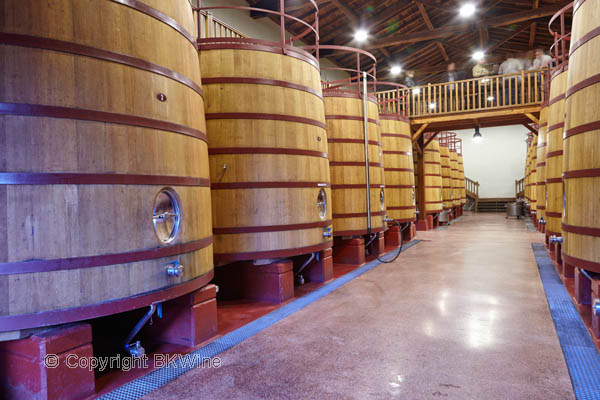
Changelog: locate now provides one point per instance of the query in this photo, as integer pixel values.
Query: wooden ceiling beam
(425, 16)
(343, 7)
(450, 30)
(533, 26)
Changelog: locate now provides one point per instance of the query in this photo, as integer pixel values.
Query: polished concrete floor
(462, 315)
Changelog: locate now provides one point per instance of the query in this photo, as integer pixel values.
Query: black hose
(370, 244)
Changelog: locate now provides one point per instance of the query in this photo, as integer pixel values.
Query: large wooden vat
(455, 178)
(532, 176)
(433, 178)
(398, 167)
(541, 164)
(447, 184)
(345, 135)
(104, 176)
(581, 173)
(269, 165)
(554, 154)
(461, 181)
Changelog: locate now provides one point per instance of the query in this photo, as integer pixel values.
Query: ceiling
(426, 35)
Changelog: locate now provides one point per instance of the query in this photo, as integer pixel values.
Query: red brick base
(24, 375)
(271, 282)
(188, 320)
(349, 251)
(320, 270)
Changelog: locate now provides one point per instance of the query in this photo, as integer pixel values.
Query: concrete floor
(462, 315)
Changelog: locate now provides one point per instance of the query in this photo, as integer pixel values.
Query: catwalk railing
(520, 188)
(472, 189)
(211, 27)
(478, 94)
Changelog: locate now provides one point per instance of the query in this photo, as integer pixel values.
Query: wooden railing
(519, 188)
(485, 93)
(211, 27)
(472, 188)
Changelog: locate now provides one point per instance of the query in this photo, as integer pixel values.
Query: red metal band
(557, 99)
(256, 45)
(400, 135)
(539, 207)
(580, 263)
(358, 141)
(560, 125)
(256, 255)
(557, 71)
(532, 201)
(553, 214)
(54, 317)
(265, 185)
(34, 178)
(399, 169)
(404, 220)
(158, 15)
(541, 183)
(357, 215)
(543, 124)
(433, 162)
(432, 150)
(533, 170)
(402, 153)
(349, 95)
(61, 264)
(582, 173)
(402, 208)
(434, 175)
(554, 180)
(356, 186)
(592, 80)
(541, 164)
(581, 230)
(582, 129)
(359, 231)
(39, 110)
(447, 187)
(270, 228)
(12, 39)
(353, 164)
(433, 187)
(400, 186)
(266, 150)
(273, 117)
(584, 39)
(261, 81)
(444, 156)
(393, 117)
(351, 118)
(554, 154)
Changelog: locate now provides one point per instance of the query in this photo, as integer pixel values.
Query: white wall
(496, 162)
(261, 28)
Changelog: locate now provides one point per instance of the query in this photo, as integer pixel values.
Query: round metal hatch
(322, 203)
(166, 215)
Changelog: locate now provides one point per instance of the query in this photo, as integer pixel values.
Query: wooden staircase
(472, 190)
(494, 204)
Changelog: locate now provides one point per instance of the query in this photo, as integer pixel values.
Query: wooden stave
(433, 178)
(455, 178)
(99, 181)
(541, 163)
(401, 197)
(581, 164)
(351, 200)
(554, 158)
(297, 156)
(447, 183)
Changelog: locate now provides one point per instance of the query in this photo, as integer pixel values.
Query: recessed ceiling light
(431, 106)
(467, 10)
(395, 70)
(491, 98)
(416, 91)
(361, 35)
(478, 55)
